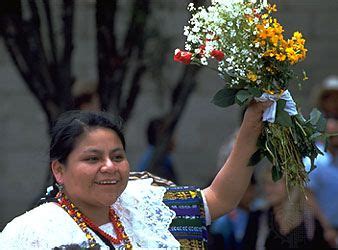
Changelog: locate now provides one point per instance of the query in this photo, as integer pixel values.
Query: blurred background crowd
(117, 56)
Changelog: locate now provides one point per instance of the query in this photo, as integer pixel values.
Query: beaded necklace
(83, 222)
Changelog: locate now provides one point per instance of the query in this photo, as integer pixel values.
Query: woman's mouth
(106, 182)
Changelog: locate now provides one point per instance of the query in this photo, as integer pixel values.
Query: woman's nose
(108, 165)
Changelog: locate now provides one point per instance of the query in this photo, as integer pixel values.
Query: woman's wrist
(247, 138)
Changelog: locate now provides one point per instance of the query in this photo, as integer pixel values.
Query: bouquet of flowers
(244, 43)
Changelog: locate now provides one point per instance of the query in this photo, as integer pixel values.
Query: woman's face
(96, 171)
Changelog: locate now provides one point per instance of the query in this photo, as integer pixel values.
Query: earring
(59, 186)
(49, 190)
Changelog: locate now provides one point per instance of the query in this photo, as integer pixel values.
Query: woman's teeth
(106, 182)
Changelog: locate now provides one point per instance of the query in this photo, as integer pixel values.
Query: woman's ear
(58, 170)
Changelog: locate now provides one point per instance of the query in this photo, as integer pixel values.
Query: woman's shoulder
(39, 228)
(42, 214)
(189, 224)
(163, 213)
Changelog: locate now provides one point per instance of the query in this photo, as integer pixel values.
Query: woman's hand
(251, 127)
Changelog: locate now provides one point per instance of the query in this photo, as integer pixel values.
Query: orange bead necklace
(84, 222)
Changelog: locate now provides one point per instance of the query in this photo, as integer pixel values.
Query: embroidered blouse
(153, 217)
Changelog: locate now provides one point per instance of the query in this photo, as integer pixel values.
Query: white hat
(329, 87)
(330, 83)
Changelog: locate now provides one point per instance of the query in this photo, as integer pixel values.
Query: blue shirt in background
(324, 184)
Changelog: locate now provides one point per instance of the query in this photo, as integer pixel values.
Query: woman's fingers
(255, 111)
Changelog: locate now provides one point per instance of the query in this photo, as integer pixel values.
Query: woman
(95, 204)
(287, 223)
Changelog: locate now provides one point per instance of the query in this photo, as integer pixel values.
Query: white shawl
(145, 217)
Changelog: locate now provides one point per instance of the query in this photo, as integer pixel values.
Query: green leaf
(281, 104)
(276, 173)
(282, 117)
(317, 120)
(243, 96)
(317, 136)
(256, 158)
(313, 166)
(326, 144)
(321, 124)
(255, 91)
(300, 118)
(314, 116)
(318, 151)
(224, 97)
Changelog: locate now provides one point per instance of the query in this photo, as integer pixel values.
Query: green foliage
(229, 96)
(224, 97)
(276, 173)
(282, 117)
(243, 96)
(317, 120)
(256, 92)
(285, 143)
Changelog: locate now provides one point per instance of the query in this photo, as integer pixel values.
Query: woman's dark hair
(69, 127)
(72, 124)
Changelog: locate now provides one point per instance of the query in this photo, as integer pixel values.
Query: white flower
(224, 26)
(226, 2)
(204, 61)
(188, 47)
(195, 29)
(229, 59)
(265, 3)
(186, 30)
(248, 11)
(191, 7)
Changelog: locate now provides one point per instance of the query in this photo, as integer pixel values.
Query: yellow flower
(265, 16)
(274, 39)
(264, 34)
(305, 76)
(290, 51)
(271, 8)
(297, 35)
(252, 76)
(278, 28)
(270, 92)
(280, 57)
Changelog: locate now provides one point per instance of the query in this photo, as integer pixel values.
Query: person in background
(86, 96)
(288, 222)
(166, 169)
(227, 232)
(323, 184)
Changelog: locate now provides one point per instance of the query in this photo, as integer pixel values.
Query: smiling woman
(96, 172)
(93, 204)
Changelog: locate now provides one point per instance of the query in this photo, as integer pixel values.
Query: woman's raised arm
(232, 180)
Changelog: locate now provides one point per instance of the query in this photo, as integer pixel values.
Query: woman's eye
(118, 158)
(92, 159)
